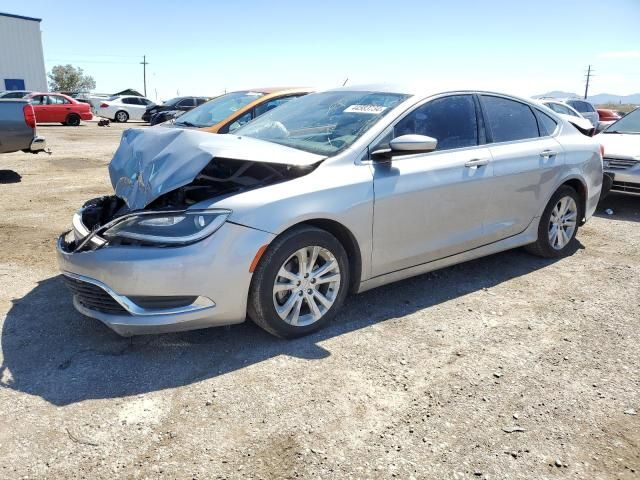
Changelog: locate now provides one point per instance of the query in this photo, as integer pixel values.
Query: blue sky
(205, 47)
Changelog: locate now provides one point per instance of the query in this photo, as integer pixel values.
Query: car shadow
(9, 176)
(620, 207)
(53, 352)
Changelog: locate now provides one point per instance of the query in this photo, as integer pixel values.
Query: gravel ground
(505, 367)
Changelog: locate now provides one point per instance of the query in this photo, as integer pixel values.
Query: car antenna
(345, 81)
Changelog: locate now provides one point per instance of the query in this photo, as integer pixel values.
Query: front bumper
(214, 271)
(625, 173)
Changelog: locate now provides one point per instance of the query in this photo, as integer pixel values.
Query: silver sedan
(335, 192)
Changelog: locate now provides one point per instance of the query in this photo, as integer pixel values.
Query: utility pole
(144, 64)
(586, 87)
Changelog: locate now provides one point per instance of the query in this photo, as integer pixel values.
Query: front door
(432, 205)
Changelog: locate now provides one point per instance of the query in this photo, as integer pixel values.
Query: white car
(122, 108)
(571, 115)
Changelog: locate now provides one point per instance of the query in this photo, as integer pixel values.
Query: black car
(163, 116)
(183, 104)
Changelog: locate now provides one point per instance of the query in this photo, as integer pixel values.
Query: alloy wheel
(306, 286)
(562, 223)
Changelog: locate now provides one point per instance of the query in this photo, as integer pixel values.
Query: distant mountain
(595, 99)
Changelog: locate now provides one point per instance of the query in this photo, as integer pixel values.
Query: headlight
(169, 228)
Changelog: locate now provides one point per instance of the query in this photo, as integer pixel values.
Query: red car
(56, 107)
(607, 115)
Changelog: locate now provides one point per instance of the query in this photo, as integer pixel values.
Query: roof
(21, 17)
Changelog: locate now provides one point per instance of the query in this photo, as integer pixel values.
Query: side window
(547, 124)
(200, 101)
(509, 120)
(55, 100)
(129, 101)
(39, 100)
(187, 102)
(144, 101)
(271, 104)
(450, 120)
(238, 122)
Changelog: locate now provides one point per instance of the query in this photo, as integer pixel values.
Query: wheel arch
(581, 189)
(348, 241)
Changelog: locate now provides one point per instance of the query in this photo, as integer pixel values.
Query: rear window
(582, 107)
(509, 120)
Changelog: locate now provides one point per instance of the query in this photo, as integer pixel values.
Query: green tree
(67, 78)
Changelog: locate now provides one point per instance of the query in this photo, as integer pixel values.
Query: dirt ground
(507, 367)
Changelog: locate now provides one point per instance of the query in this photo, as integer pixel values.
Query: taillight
(103, 105)
(29, 116)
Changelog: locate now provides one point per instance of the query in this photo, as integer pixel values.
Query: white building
(21, 57)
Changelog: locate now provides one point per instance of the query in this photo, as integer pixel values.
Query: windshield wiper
(619, 132)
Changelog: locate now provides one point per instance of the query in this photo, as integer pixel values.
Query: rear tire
(121, 116)
(73, 120)
(300, 283)
(558, 225)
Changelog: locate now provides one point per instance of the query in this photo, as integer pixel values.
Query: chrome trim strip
(200, 303)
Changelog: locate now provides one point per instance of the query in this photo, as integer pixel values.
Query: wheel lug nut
(313, 280)
(306, 275)
(309, 291)
(301, 293)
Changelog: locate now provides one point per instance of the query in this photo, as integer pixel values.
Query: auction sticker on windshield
(371, 109)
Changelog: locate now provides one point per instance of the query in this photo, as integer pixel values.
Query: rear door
(431, 205)
(134, 107)
(526, 162)
(59, 107)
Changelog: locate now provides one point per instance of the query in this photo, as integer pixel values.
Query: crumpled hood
(620, 144)
(154, 161)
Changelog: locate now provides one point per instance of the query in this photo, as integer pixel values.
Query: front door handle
(477, 162)
(548, 153)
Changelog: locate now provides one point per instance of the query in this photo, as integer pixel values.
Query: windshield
(218, 109)
(630, 123)
(322, 123)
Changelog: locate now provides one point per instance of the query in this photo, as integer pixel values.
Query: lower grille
(626, 187)
(93, 297)
(620, 163)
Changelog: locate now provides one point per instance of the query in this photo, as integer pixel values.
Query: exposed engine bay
(219, 178)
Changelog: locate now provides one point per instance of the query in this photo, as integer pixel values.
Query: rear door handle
(548, 153)
(477, 162)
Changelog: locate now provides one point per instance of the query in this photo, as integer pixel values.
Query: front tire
(121, 116)
(300, 283)
(558, 225)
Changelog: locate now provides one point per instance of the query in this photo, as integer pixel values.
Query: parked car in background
(18, 127)
(165, 116)
(570, 114)
(14, 94)
(621, 142)
(122, 108)
(585, 108)
(59, 108)
(183, 104)
(607, 117)
(228, 112)
(335, 192)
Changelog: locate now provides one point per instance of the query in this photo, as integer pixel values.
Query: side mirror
(407, 144)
